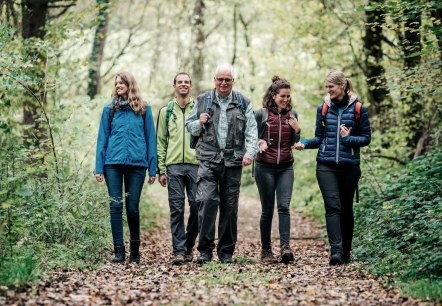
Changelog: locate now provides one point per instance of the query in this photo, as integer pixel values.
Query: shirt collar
(227, 99)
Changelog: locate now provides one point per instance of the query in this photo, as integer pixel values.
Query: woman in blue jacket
(342, 128)
(126, 147)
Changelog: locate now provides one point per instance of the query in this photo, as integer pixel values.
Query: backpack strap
(241, 102)
(169, 112)
(358, 110)
(324, 113)
(262, 116)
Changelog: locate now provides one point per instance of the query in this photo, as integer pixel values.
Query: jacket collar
(352, 99)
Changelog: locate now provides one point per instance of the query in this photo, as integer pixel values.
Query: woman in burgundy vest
(278, 130)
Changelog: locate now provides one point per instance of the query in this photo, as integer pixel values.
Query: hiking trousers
(338, 184)
(182, 178)
(218, 188)
(274, 179)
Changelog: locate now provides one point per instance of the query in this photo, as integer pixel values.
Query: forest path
(308, 281)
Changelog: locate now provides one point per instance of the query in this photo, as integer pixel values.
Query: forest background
(58, 60)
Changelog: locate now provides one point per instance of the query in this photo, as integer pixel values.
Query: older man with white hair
(224, 123)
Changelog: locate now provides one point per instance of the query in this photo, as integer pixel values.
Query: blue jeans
(133, 177)
(272, 179)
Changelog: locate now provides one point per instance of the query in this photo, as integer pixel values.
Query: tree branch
(373, 155)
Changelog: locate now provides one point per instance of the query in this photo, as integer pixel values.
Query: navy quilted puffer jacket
(333, 148)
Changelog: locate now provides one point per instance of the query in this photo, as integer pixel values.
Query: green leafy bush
(399, 228)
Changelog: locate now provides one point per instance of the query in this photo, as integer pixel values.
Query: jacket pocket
(240, 125)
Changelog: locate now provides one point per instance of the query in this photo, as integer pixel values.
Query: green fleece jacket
(174, 149)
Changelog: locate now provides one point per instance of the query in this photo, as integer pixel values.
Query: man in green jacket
(178, 168)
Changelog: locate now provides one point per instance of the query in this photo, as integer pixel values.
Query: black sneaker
(204, 258)
(336, 259)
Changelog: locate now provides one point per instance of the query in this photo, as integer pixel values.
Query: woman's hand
(151, 180)
(299, 146)
(99, 177)
(294, 124)
(344, 131)
(262, 145)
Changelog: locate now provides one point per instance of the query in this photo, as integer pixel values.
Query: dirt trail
(308, 281)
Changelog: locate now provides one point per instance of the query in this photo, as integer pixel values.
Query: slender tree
(96, 57)
(412, 47)
(199, 42)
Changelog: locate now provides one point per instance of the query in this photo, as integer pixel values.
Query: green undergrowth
(52, 221)
(399, 226)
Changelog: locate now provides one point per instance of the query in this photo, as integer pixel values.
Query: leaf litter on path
(308, 281)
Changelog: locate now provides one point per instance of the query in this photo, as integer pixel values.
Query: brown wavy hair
(134, 99)
(277, 84)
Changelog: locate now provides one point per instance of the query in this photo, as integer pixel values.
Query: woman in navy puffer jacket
(126, 147)
(339, 135)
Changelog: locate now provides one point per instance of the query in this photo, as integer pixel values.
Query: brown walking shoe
(188, 257)
(177, 259)
(286, 253)
(267, 256)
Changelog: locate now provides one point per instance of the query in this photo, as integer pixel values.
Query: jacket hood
(352, 97)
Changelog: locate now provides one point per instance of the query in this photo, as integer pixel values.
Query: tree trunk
(34, 13)
(374, 71)
(235, 32)
(199, 42)
(437, 15)
(96, 58)
(412, 47)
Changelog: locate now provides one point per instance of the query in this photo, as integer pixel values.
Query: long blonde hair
(134, 99)
(337, 77)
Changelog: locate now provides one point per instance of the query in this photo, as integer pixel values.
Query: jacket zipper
(184, 130)
(324, 145)
(338, 133)
(337, 138)
(279, 140)
(352, 151)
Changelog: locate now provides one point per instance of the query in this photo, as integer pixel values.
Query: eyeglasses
(227, 80)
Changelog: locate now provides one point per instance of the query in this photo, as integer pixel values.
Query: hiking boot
(134, 251)
(267, 256)
(286, 253)
(188, 256)
(336, 259)
(120, 254)
(178, 259)
(226, 259)
(204, 258)
(346, 258)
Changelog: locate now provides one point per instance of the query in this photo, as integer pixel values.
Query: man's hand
(151, 180)
(247, 160)
(99, 177)
(162, 179)
(204, 117)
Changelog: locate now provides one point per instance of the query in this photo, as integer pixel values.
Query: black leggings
(338, 184)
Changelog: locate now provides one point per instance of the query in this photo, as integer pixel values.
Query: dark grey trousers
(182, 177)
(271, 180)
(218, 187)
(338, 185)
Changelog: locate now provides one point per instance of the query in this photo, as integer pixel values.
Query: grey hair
(225, 67)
